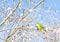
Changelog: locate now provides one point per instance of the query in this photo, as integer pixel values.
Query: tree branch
(11, 13)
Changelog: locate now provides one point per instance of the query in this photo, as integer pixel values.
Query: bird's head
(36, 23)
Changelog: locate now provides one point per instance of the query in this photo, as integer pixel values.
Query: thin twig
(38, 4)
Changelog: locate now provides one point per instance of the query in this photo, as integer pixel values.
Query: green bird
(39, 26)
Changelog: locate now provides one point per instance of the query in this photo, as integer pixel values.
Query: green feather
(40, 26)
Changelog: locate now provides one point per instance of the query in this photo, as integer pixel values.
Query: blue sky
(52, 6)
